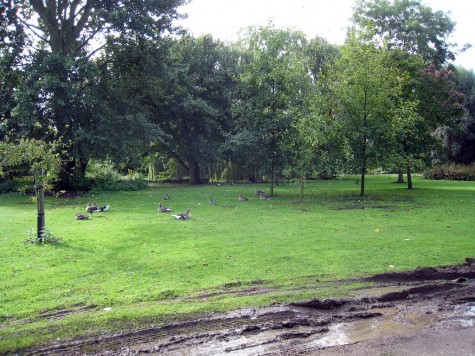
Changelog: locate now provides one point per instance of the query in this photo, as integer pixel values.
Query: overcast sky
(224, 19)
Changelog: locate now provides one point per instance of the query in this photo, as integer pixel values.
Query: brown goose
(242, 199)
(212, 201)
(81, 216)
(183, 216)
(163, 209)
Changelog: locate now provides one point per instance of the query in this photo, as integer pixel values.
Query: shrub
(451, 172)
(7, 186)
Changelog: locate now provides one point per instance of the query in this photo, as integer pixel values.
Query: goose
(259, 192)
(91, 208)
(163, 209)
(265, 197)
(183, 216)
(212, 202)
(81, 216)
(104, 208)
(241, 198)
(167, 197)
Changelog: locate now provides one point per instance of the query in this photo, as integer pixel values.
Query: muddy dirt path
(429, 311)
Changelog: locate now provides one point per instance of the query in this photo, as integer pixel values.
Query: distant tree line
(117, 81)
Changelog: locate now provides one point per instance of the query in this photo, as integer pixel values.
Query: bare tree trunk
(409, 177)
(400, 175)
(40, 194)
(272, 168)
(302, 184)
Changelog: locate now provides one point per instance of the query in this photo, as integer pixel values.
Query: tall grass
(147, 267)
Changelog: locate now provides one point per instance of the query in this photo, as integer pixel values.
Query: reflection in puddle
(391, 323)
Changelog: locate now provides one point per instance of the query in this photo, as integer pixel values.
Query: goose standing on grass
(183, 216)
(241, 198)
(163, 209)
(259, 192)
(82, 216)
(212, 201)
(168, 197)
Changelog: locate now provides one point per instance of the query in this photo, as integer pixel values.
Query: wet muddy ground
(429, 311)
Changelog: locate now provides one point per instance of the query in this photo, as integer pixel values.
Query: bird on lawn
(212, 201)
(163, 209)
(168, 197)
(265, 197)
(241, 198)
(104, 208)
(259, 192)
(91, 208)
(183, 216)
(81, 216)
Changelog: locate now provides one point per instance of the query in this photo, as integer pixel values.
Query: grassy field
(132, 266)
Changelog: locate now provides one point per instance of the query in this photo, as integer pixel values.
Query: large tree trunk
(195, 173)
(409, 177)
(66, 176)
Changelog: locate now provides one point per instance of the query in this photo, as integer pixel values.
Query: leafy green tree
(313, 133)
(43, 163)
(12, 43)
(268, 84)
(181, 87)
(71, 26)
(417, 39)
(57, 95)
(366, 89)
(408, 25)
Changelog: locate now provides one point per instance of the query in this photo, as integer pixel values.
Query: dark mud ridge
(428, 311)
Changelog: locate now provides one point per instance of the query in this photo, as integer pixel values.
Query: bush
(451, 172)
(8, 186)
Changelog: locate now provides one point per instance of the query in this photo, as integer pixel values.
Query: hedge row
(451, 172)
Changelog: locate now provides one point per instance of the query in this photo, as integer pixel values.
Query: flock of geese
(91, 209)
(94, 208)
(187, 215)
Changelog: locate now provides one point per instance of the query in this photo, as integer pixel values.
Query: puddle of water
(393, 322)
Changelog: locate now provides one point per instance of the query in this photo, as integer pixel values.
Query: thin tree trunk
(272, 167)
(409, 177)
(362, 180)
(400, 175)
(40, 194)
(302, 184)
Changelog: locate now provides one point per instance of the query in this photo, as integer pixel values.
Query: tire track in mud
(289, 328)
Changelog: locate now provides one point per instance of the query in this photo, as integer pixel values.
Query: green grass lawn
(145, 267)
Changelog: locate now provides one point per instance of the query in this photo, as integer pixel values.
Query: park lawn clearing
(132, 266)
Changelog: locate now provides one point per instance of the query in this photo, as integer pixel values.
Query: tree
(181, 86)
(269, 84)
(12, 42)
(43, 164)
(73, 26)
(417, 39)
(58, 93)
(407, 25)
(366, 90)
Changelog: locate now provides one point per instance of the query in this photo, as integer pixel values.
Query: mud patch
(393, 321)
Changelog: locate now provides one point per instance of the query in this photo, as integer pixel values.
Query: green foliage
(7, 186)
(103, 176)
(451, 172)
(409, 25)
(46, 237)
